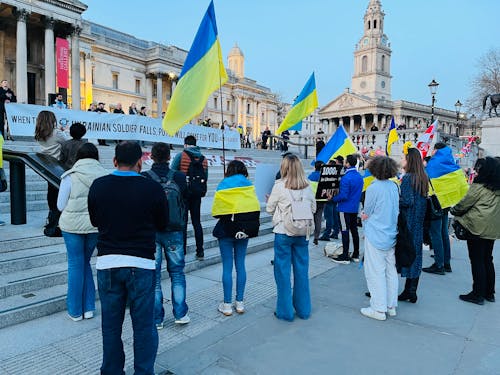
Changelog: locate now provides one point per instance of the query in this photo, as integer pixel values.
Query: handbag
(405, 249)
(433, 210)
(461, 232)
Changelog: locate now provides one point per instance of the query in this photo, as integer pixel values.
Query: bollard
(17, 192)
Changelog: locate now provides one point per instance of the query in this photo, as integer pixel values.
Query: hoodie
(176, 164)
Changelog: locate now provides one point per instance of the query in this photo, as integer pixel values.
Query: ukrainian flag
(393, 137)
(304, 105)
(367, 179)
(448, 179)
(203, 73)
(235, 195)
(339, 144)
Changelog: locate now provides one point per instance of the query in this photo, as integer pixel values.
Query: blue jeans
(172, 245)
(331, 215)
(292, 252)
(117, 286)
(81, 287)
(440, 239)
(231, 250)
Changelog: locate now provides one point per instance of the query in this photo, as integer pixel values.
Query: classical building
(114, 67)
(368, 103)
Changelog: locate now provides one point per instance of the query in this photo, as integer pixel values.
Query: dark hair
(382, 167)
(440, 145)
(352, 160)
(427, 158)
(488, 173)
(236, 167)
(77, 130)
(45, 124)
(87, 151)
(415, 166)
(339, 158)
(190, 140)
(127, 153)
(160, 152)
(317, 165)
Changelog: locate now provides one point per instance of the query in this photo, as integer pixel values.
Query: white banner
(101, 125)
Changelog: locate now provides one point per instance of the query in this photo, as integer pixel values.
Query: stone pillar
(384, 122)
(75, 68)
(159, 94)
(257, 115)
(88, 80)
(244, 113)
(21, 56)
(50, 59)
(236, 111)
(351, 124)
(149, 92)
(375, 120)
(363, 122)
(173, 84)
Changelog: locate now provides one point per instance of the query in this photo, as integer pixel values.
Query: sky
(283, 41)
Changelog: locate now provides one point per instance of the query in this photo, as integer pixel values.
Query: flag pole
(222, 123)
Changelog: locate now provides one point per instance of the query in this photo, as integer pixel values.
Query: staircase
(33, 268)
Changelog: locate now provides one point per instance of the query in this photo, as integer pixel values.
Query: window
(374, 24)
(248, 108)
(137, 86)
(369, 25)
(364, 64)
(115, 81)
(93, 75)
(215, 102)
(228, 105)
(383, 63)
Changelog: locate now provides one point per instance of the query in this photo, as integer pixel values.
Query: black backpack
(176, 207)
(196, 176)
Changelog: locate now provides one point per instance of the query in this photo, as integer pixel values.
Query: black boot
(405, 295)
(410, 292)
(52, 227)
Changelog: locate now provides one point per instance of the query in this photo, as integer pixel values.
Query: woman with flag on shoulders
(237, 208)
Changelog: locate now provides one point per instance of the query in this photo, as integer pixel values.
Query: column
(375, 120)
(50, 62)
(159, 94)
(351, 124)
(75, 68)
(244, 112)
(173, 84)
(363, 122)
(149, 92)
(236, 111)
(257, 115)
(88, 80)
(384, 122)
(21, 56)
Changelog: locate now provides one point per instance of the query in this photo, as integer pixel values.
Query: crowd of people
(132, 239)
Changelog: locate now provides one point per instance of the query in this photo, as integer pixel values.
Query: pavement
(438, 335)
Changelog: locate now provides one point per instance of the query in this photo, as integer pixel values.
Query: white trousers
(381, 277)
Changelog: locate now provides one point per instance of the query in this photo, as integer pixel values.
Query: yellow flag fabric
(235, 201)
(450, 188)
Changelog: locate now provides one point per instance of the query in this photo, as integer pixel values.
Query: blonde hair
(292, 173)
(45, 124)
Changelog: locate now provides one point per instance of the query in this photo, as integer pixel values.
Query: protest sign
(329, 181)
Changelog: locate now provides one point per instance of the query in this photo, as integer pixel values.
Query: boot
(52, 229)
(405, 295)
(410, 292)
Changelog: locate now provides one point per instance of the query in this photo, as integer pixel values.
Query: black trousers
(481, 263)
(194, 206)
(349, 223)
(52, 193)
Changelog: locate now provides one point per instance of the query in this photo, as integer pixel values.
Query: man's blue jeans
(117, 286)
(231, 250)
(172, 245)
(292, 252)
(81, 287)
(440, 239)
(331, 215)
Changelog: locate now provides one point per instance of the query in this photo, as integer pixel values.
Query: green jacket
(479, 212)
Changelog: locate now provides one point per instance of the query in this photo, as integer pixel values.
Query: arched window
(382, 65)
(364, 64)
(374, 24)
(369, 25)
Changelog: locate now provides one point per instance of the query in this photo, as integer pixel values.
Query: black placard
(329, 181)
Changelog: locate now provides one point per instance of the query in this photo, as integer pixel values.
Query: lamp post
(433, 88)
(473, 124)
(458, 105)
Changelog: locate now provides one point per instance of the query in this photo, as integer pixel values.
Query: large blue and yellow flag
(203, 73)
(235, 195)
(392, 137)
(448, 179)
(339, 144)
(304, 105)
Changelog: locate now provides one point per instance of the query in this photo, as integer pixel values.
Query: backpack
(298, 218)
(176, 207)
(196, 176)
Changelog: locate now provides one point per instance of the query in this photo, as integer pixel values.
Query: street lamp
(458, 105)
(473, 124)
(433, 87)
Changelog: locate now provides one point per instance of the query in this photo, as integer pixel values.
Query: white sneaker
(159, 326)
(226, 309)
(391, 311)
(370, 313)
(77, 319)
(240, 307)
(88, 315)
(184, 320)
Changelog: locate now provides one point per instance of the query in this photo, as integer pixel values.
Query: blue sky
(284, 40)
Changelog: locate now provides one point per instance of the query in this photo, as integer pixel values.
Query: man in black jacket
(6, 96)
(127, 210)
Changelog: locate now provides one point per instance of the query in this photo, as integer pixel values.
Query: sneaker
(77, 319)
(200, 256)
(184, 320)
(226, 309)
(2, 223)
(334, 237)
(240, 307)
(391, 311)
(370, 313)
(341, 259)
(324, 238)
(434, 269)
(88, 315)
(315, 241)
(490, 298)
(472, 298)
(447, 268)
(159, 326)
(355, 259)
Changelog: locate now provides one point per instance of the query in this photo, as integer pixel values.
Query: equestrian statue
(494, 100)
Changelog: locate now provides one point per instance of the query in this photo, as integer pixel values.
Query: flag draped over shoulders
(235, 195)
(203, 73)
(339, 144)
(447, 178)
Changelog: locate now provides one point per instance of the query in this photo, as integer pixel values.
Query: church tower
(236, 61)
(372, 57)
